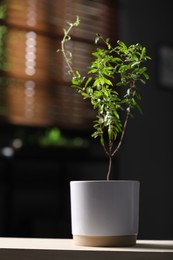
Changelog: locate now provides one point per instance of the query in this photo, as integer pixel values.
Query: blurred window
(34, 84)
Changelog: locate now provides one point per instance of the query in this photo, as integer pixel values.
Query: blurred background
(45, 127)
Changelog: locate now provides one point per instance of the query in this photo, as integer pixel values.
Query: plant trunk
(109, 168)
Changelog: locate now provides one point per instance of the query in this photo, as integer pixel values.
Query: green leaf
(85, 95)
(88, 81)
(108, 82)
(143, 52)
(146, 75)
(97, 38)
(143, 81)
(122, 44)
(135, 63)
(92, 71)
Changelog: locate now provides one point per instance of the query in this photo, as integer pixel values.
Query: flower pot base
(105, 241)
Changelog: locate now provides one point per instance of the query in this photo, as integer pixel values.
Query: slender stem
(110, 159)
(122, 134)
(110, 167)
(132, 84)
(66, 38)
(104, 147)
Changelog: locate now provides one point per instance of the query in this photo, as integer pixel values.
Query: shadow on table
(155, 245)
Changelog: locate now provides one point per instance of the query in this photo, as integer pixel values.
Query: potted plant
(105, 213)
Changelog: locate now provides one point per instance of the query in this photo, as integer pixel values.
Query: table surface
(50, 249)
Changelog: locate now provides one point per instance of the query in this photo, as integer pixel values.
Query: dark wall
(147, 151)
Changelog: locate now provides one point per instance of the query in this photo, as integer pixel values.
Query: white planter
(104, 213)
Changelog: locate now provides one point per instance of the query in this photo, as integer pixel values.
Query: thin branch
(66, 36)
(132, 84)
(104, 147)
(122, 133)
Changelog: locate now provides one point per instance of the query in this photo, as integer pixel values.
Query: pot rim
(105, 181)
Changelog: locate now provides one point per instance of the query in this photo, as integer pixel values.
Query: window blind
(34, 83)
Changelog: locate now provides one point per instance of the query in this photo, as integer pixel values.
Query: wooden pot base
(105, 241)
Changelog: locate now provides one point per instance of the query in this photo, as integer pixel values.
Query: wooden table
(63, 249)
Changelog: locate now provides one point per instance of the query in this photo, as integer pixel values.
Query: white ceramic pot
(104, 213)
